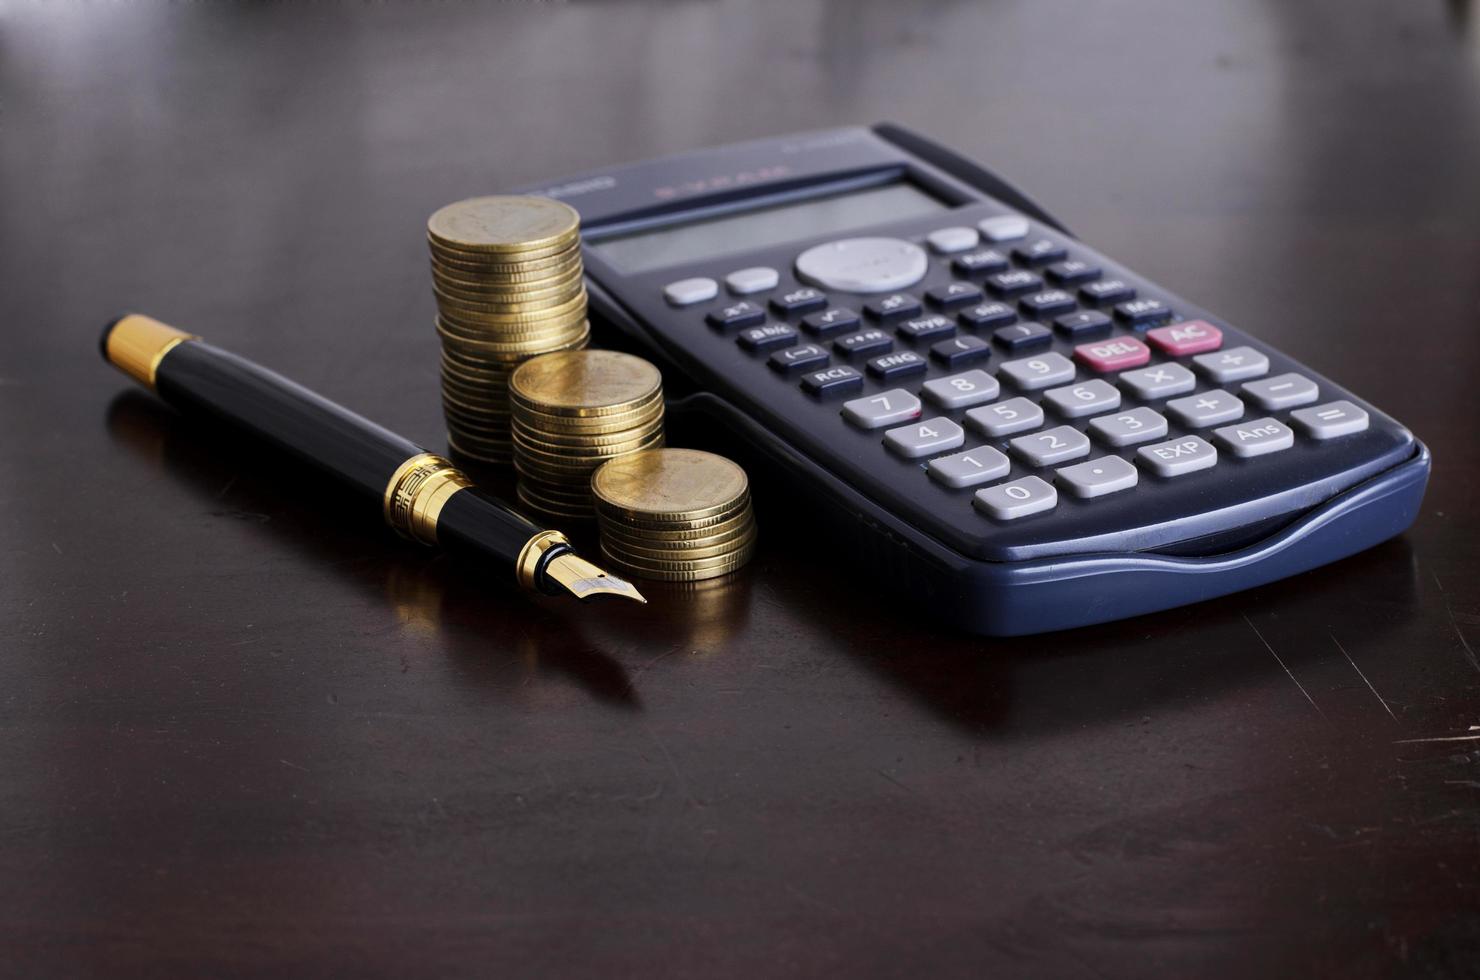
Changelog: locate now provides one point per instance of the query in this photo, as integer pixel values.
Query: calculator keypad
(1074, 343)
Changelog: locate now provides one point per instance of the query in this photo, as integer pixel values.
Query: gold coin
(464, 263)
(585, 383)
(644, 413)
(557, 491)
(580, 455)
(554, 442)
(482, 455)
(561, 338)
(670, 485)
(638, 538)
(735, 524)
(473, 327)
(485, 315)
(707, 525)
(560, 298)
(504, 223)
(478, 286)
(568, 469)
(720, 566)
(641, 554)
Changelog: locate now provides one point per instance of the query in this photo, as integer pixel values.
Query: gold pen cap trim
(417, 492)
(137, 343)
(528, 566)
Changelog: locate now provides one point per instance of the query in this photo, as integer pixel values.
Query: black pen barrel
(420, 495)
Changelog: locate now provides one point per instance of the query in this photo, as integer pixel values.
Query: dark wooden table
(242, 735)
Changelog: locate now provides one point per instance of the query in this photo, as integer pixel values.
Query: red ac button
(1188, 337)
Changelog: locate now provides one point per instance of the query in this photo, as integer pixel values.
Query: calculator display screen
(725, 235)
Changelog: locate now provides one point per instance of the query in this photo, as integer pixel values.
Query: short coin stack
(573, 411)
(507, 275)
(677, 515)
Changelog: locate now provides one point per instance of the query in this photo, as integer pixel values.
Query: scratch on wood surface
(291, 765)
(1469, 651)
(895, 781)
(1286, 669)
(1442, 738)
(1363, 676)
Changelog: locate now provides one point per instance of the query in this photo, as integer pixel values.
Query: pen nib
(584, 580)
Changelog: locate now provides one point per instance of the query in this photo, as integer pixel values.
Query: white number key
(1032, 373)
(886, 408)
(962, 390)
(1005, 418)
(923, 438)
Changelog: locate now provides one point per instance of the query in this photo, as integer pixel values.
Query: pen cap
(135, 344)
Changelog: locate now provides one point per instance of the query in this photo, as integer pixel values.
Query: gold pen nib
(584, 580)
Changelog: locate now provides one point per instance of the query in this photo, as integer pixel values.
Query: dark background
(242, 734)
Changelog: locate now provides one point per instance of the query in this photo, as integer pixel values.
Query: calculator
(994, 421)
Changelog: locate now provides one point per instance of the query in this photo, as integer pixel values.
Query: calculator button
(799, 358)
(837, 380)
(1097, 477)
(687, 292)
(752, 280)
(1083, 324)
(1159, 381)
(1340, 418)
(953, 295)
(1142, 312)
(1233, 364)
(1282, 391)
(1188, 337)
(863, 265)
(933, 327)
(1107, 291)
(1046, 303)
(982, 262)
(1129, 428)
(984, 316)
(766, 337)
(923, 438)
(1256, 437)
(1003, 228)
(833, 320)
(902, 364)
(962, 390)
(1185, 454)
(741, 314)
(1039, 252)
(1051, 446)
(1021, 336)
(1086, 398)
(1005, 418)
(895, 306)
(1072, 272)
(863, 342)
(969, 468)
(1032, 373)
(950, 240)
(1020, 498)
(1206, 408)
(886, 408)
(1014, 282)
(803, 300)
(1115, 354)
(958, 351)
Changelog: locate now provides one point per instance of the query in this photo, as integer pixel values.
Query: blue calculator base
(1041, 596)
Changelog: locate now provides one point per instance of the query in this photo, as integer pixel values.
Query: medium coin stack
(507, 275)
(676, 515)
(573, 411)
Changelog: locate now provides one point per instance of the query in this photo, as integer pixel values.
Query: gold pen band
(136, 344)
(417, 492)
(528, 565)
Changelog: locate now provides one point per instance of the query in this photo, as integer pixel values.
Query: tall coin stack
(573, 411)
(676, 515)
(507, 275)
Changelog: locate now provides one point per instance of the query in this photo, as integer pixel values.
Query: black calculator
(988, 415)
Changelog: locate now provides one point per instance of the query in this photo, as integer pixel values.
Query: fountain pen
(421, 495)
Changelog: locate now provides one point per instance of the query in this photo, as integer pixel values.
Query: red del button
(1191, 337)
(1113, 355)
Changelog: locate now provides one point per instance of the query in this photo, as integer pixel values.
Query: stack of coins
(573, 411)
(507, 275)
(676, 515)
